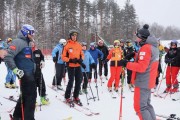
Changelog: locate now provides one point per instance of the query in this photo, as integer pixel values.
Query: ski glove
(168, 60)
(75, 60)
(123, 62)
(42, 64)
(54, 59)
(19, 73)
(93, 65)
(129, 56)
(83, 65)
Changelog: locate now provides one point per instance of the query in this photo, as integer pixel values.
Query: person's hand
(3, 53)
(54, 59)
(123, 62)
(19, 73)
(93, 65)
(75, 60)
(42, 64)
(83, 65)
(168, 60)
(129, 56)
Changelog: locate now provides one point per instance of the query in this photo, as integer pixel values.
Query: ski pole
(95, 75)
(55, 78)
(121, 98)
(21, 96)
(86, 92)
(161, 79)
(90, 87)
(40, 91)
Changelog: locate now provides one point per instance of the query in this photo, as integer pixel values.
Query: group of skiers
(142, 61)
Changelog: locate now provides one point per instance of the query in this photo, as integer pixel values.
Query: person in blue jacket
(88, 60)
(96, 54)
(59, 63)
(20, 60)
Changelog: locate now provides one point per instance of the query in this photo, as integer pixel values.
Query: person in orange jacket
(73, 55)
(144, 73)
(115, 55)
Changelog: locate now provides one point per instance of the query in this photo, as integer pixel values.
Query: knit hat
(143, 33)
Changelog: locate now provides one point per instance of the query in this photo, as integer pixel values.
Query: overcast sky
(163, 12)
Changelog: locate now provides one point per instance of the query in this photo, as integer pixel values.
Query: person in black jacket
(39, 60)
(130, 52)
(105, 51)
(171, 58)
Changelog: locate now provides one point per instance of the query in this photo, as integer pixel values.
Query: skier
(105, 51)
(130, 52)
(73, 55)
(171, 58)
(144, 70)
(95, 53)
(10, 77)
(20, 60)
(115, 55)
(39, 60)
(88, 61)
(59, 64)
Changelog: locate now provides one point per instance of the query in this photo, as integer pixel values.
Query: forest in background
(53, 19)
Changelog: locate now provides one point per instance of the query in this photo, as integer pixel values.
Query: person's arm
(142, 64)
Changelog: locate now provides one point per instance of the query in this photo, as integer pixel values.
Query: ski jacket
(57, 52)
(96, 53)
(130, 50)
(146, 64)
(72, 50)
(87, 61)
(38, 56)
(115, 55)
(20, 54)
(104, 50)
(172, 55)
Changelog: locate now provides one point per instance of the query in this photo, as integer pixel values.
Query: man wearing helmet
(144, 73)
(20, 60)
(59, 64)
(73, 55)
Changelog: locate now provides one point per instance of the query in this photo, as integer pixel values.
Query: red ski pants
(115, 75)
(171, 76)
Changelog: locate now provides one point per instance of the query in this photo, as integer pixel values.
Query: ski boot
(13, 86)
(77, 101)
(8, 85)
(116, 89)
(69, 102)
(59, 87)
(80, 92)
(110, 89)
(168, 89)
(44, 101)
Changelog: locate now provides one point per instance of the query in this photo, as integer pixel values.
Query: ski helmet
(116, 43)
(27, 29)
(9, 39)
(73, 32)
(92, 44)
(83, 43)
(128, 43)
(62, 42)
(174, 42)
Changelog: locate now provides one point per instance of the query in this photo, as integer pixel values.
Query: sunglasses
(74, 34)
(31, 32)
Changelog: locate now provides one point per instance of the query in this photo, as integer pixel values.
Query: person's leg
(100, 67)
(78, 80)
(71, 74)
(168, 78)
(117, 77)
(112, 77)
(105, 69)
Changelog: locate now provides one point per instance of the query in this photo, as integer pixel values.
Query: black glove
(123, 62)
(54, 59)
(93, 65)
(83, 65)
(129, 56)
(168, 60)
(105, 61)
(80, 61)
(75, 60)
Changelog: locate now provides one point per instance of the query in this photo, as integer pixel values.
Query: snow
(106, 106)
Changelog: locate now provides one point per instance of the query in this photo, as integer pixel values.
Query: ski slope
(106, 106)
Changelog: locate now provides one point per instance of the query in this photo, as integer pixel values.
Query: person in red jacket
(144, 73)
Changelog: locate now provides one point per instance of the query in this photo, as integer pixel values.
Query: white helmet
(62, 41)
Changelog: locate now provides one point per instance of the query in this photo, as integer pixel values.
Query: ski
(11, 117)
(11, 98)
(85, 112)
(175, 99)
(170, 117)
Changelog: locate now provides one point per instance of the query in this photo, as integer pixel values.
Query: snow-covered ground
(106, 106)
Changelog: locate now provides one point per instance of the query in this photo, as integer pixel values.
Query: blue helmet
(27, 29)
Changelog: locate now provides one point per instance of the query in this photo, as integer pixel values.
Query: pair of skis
(170, 117)
(86, 111)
